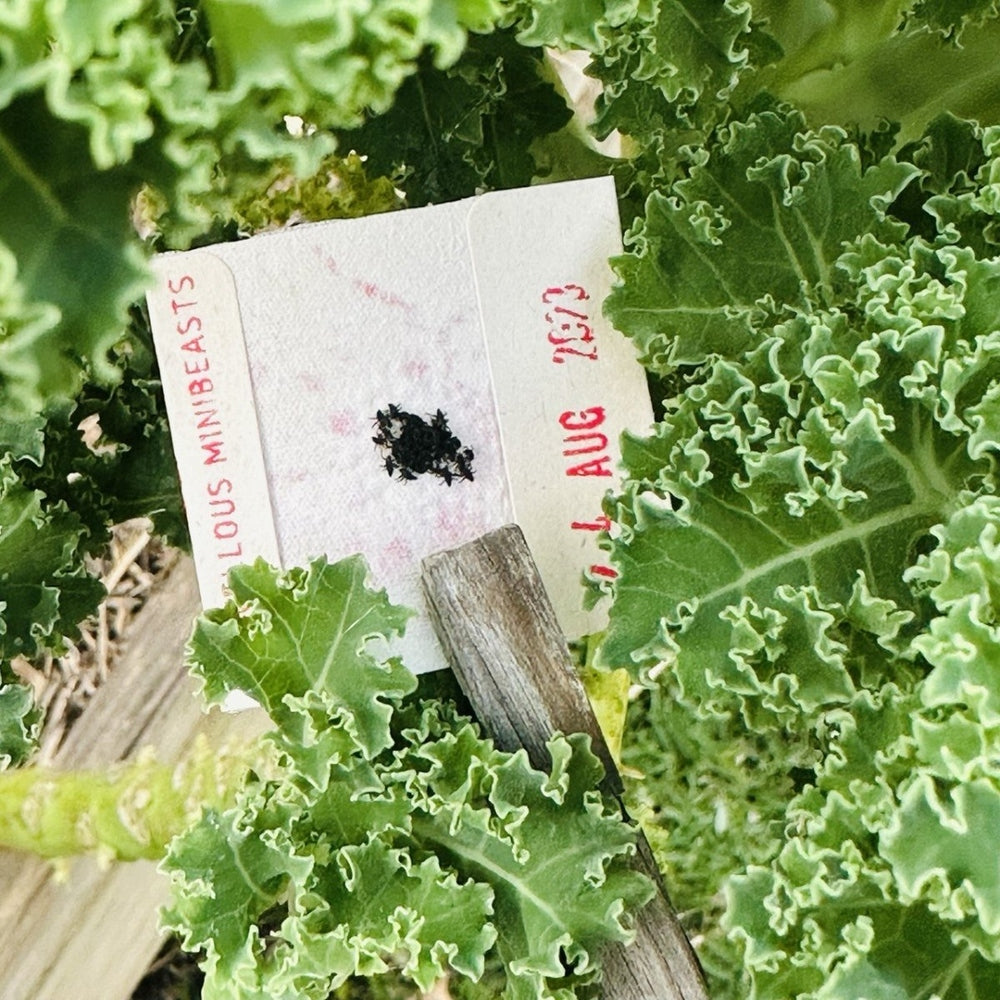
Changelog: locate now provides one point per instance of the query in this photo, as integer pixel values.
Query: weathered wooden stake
(498, 628)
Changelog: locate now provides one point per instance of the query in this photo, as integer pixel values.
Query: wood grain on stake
(510, 657)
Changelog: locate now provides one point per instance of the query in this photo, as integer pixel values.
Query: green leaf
(960, 206)
(935, 847)
(393, 841)
(45, 591)
(891, 952)
(753, 232)
(18, 723)
(807, 554)
(297, 642)
(372, 905)
(131, 472)
(225, 877)
(912, 956)
(851, 62)
(328, 66)
(962, 575)
(23, 440)
(951, 18)
(696, 583)
(550, 907)
(662, 64)
(451, 133)
(68, 227)
(687, 49)
(584, 24)
(123, 468)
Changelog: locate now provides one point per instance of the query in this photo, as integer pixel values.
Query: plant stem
(128, 812)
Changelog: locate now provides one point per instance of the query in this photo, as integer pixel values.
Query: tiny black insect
(412, 446)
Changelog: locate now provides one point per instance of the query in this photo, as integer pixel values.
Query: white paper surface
(566, 384)
(307, 333)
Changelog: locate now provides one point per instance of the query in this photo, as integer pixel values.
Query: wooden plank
(500, 633)
(93, 935)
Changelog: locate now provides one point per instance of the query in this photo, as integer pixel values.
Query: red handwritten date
(582, 437)
(584, 442)
(570, 331)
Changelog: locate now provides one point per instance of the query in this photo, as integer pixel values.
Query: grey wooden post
(500, 633)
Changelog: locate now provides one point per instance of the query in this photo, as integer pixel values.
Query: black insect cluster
(412, 446)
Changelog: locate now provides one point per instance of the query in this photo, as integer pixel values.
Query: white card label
(213, 423)
(566, 384)
(400, 384)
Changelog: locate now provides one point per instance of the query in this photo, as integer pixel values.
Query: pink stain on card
(369, 289)
(416, 369)
(331, 265)
(452, 525)
(311, 382)
(372, 290)
(398, 553)
(342, 423)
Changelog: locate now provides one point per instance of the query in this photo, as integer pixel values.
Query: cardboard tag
(400, 384)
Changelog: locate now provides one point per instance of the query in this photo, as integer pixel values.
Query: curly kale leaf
(471, 127)
(667, 62)
(297, 642)
(672, 71)
(45, 591)
(122, 97)
(69, 263)
(18, 722)
(952, 19)
(750, 236)
(106, 454)
(808, 569)
(395, 841)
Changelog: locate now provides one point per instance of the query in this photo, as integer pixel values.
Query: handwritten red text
(583, 438)
(570, 331)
